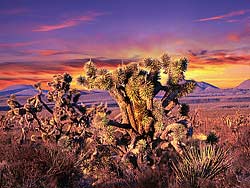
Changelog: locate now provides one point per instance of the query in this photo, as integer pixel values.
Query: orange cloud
(134, 45)
(228, 15)
(32, 72)
(233, 37)
(70, 22)
(50, 52)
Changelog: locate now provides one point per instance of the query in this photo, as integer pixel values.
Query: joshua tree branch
(44, 104)
(169, 97)
(39, 123)
(119, 125)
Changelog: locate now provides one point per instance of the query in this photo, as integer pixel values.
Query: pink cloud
(70, 22)
(16, 44)
(228, 15)
(238, 36)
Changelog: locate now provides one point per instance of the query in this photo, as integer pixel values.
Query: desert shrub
(212, 138)
(153, 178)
(201, 163)
(37, 166)
(239, 174)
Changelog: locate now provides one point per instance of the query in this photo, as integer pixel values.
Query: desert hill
(14, 89)
(205, 87)
(244, 85)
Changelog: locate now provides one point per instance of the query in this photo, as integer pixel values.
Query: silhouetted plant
(212, 138)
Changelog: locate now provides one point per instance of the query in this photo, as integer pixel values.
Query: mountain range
(244, 85)
(202, 87)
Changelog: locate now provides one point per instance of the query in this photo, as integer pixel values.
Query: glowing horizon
(40, 39)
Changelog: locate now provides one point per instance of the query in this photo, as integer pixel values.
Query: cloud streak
(91, 16)
(221, 58)
(17, 44)
(224, 16)
(50, 52)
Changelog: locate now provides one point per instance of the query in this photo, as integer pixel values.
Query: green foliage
(153, 64)
(81, 80)
(104, 82)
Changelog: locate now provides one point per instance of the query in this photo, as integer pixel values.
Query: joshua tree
(134, 87)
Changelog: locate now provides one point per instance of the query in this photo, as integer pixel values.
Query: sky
(45, 37)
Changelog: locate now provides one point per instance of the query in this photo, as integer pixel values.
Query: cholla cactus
(134, 87)
(68, 118)
(24, 114)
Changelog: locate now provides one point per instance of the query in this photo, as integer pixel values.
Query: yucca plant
(201, 163)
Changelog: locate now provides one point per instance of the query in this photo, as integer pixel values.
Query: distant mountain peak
(19, 89)
(18, 86)
(244, 85)
(205, 87)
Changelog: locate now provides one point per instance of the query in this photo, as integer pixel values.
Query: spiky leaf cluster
(203, 162)
(104, 82)
(91, 70)
(174, 69)
(186, 88)
(153, 65)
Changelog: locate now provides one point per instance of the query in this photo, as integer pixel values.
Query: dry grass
(37, 166)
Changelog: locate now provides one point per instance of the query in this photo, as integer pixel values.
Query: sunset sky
(40, 38)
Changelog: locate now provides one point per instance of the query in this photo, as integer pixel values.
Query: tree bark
(132, 117)
(121, 101)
